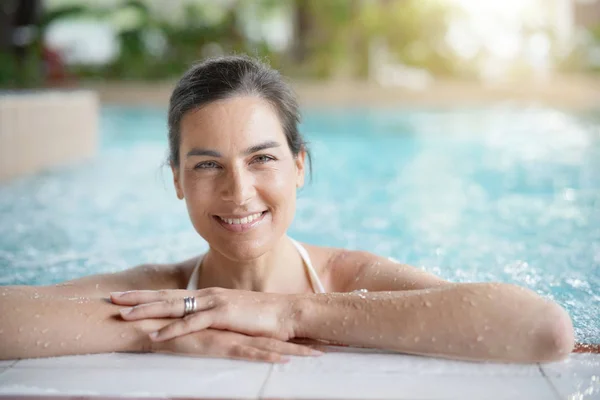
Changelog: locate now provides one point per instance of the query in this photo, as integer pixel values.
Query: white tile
(7, 363)
(146, 361)
(359, 385)
(135, 382)
(352, 360)
(577, 365)
(580, 388)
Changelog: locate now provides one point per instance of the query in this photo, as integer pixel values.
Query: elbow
(556, 337)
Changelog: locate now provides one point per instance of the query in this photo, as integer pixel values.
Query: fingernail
(116, 294)
(316, 353)
(125, 311)
(154, 335)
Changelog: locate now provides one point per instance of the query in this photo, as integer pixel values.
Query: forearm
(36, 325)
(467, 321)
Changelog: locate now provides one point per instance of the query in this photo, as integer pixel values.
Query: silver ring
(189, 305)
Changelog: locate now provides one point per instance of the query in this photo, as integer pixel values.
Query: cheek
(198, 193)
(279, 189)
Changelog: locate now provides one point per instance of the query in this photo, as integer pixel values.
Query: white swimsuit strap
(193, 283)
(314, 278)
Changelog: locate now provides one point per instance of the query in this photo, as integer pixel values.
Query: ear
(300, 170)
(177, 182)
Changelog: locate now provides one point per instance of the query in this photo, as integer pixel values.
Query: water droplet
(479, 338)
(38, 342)
(465, 299)
(327, 323)
(372, 337)
(78, 337)
(21, 329)
(46, 344)
(486, 328)
(380, 336)
(417, 339)
(123, 335)
(428, 303)
(62, 344)
(37, 315)
(489, 296)
(472, 303)
(45, 330)
(507, 347)
(334, 332)
(433, 339)
(97, 286)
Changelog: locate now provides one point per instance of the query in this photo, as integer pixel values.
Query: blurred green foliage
(331, 38)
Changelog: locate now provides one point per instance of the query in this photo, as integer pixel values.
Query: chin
(241, 250)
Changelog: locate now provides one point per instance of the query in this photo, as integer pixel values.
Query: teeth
(244, 220)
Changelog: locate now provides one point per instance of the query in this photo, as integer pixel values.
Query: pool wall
(39, 130)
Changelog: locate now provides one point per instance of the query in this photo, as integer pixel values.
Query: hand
(225, 344)
(251, 313)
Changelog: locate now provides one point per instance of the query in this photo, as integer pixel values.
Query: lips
(241, 223)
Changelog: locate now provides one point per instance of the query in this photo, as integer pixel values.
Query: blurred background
(393, 43)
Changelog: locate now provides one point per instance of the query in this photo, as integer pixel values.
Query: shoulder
(162, 276)
(141, 277)
(336, 266)
(346, 270)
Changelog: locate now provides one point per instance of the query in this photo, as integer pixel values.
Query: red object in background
(55, 71)
(587, 348)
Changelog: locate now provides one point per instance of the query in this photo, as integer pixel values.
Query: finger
(170, 308)
(283, 347)
(134, 297)
(192, 323)
(254, 354)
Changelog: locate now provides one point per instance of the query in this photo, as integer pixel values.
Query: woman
(237, 160)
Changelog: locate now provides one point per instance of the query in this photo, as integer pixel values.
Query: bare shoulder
(141, 277)
(325, 260)
(346, 270)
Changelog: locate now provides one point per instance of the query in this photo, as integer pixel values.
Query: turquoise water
(486, 194)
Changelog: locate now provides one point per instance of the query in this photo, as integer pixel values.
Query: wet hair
(225, 77)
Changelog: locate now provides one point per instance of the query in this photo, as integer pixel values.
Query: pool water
(503, 193)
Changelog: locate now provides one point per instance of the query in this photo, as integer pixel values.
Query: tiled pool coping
(341, 373)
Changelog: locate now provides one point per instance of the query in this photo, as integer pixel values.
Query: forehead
(234, 122)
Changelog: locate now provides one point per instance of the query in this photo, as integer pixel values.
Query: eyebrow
(213, 153)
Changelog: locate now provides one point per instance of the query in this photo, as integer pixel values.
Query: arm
(77, 317)
(411, 311)
(35, 323)
(466, 321)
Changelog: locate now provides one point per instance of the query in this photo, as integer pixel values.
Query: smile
(242, 224)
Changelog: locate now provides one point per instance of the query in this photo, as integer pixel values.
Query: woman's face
(238, 176)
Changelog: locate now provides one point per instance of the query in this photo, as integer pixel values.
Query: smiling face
(238, 176)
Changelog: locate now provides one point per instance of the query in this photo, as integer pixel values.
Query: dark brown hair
(224, 77)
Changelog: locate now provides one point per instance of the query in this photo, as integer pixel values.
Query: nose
(238, 186)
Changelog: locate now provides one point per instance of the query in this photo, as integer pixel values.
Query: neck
(271, 272)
